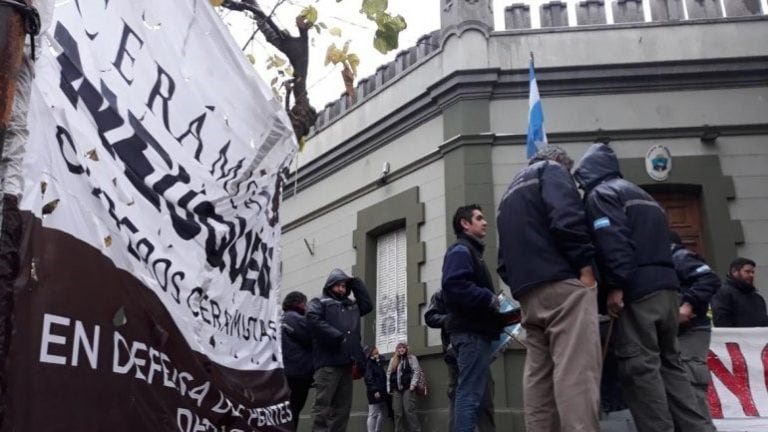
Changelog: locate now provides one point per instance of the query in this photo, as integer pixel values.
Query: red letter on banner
(737, 382)
(765, 364)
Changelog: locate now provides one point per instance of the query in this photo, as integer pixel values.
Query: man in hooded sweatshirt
(545, 256)
(631, 235)
(334, 320)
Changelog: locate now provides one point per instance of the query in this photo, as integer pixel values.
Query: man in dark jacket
(545, 256)
(436, 316)
(473, 305)
(297, 351)
(738, 304)
(334, 320)
(698, 283)
(631, 235)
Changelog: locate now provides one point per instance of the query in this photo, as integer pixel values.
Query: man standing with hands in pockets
(545, 256)
(631, 235)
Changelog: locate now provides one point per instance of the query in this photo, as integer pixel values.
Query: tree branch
(296, 48)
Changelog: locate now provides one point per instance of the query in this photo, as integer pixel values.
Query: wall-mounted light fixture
(384, 173)
(603, 140)
(710, 135)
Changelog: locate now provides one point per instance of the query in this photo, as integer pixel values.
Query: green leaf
(335, 31)
(371, 8)
(386, 37)
(303, 140)
(273, 82)
(275, 61)
(346, 47)
(354, 62)
(251, 58)
(310, 13)
(322, 25)
(334, 55)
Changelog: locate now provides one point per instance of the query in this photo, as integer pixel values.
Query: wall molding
(403, 210)
(496, 84)
(721, 233)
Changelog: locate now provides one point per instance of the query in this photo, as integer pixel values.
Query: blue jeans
(473, 354)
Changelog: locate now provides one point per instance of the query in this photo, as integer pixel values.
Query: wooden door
(684, 216)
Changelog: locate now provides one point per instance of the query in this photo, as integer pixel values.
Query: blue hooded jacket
(698, 283)
(629, 228)
(543, 235)
(335, 322)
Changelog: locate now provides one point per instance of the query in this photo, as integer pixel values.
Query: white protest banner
(738, 392)
(149, 273)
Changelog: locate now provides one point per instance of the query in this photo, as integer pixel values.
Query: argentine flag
(536, 135)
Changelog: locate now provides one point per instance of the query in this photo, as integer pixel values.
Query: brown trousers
(561, 382)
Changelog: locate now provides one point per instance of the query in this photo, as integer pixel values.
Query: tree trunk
(11, 51)
(302, 114)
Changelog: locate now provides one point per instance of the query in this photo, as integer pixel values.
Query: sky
(325, 83)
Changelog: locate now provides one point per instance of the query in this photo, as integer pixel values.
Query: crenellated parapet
(556, 13)
(532, 19)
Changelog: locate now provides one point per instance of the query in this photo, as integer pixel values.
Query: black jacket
(543, 234)
(335, 322)
(738, 304)
(297, 345)
(436, 316)
(468, 290)
(376, 379)
(698, 283)
(629, 228)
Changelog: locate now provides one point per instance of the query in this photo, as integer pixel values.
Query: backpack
(358, 370)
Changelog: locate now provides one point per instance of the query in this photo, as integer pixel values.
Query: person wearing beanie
(297, 351)
(376, 386)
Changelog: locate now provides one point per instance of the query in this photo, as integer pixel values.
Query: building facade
(444, 125)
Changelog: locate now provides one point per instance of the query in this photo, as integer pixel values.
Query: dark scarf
(478, 244)
(742, 286)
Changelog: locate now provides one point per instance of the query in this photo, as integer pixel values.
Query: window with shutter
(391, 310)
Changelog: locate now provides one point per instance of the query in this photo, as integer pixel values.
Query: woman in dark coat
(376, 384)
